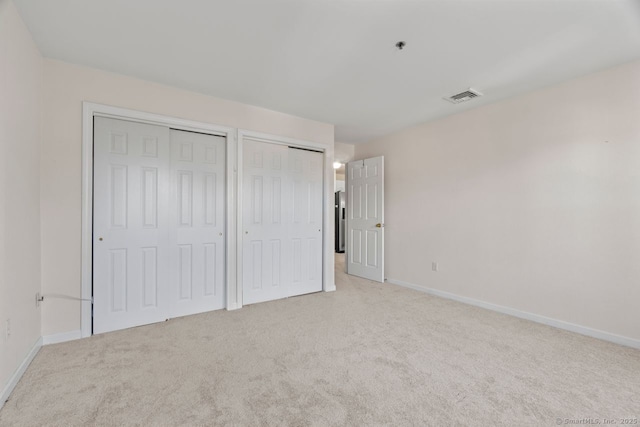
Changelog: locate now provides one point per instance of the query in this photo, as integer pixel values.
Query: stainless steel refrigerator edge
(340, 215)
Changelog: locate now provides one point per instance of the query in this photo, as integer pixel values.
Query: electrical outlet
(8, 329)
(434, 266)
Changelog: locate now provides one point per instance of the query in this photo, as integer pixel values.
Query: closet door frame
(91, 110)
(233, 198)
(328, 282)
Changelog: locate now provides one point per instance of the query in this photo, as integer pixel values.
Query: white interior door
(130, 221)
(365, 218)
(197, 215)
(282, 221)
(158, 221)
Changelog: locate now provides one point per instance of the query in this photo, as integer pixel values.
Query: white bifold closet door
(158, 222)
(282, 221)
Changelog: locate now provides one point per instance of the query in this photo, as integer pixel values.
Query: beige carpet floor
(368, 354)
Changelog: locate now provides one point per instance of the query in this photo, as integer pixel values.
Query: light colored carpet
(368, 354)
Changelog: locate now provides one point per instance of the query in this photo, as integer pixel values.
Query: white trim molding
(15, 378)
(560, 324)
(91, 110)
(232, 237)
(62, 337)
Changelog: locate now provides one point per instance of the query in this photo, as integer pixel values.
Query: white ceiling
(335, 60)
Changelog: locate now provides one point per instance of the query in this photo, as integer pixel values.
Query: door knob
(100, 238)
(378, 225)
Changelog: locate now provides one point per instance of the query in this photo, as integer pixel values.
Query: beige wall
(343, 153)
(20, 90)
(65, 87)
(532, 203)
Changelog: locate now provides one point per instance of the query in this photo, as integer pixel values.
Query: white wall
(531, 203)
(65, 87)
(20, 96)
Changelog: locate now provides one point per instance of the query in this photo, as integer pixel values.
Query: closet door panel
(282, 221)
(130, 219)
(197, 235)
(266, 249)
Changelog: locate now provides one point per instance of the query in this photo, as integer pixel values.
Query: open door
(365, 218)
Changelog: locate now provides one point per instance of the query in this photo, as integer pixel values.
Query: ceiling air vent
(467, 95)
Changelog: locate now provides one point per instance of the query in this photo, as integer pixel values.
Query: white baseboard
(583, 330)
(13, 381)
(62, 337)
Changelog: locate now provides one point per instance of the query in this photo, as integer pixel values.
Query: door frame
(328, 277)
(91, 110)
